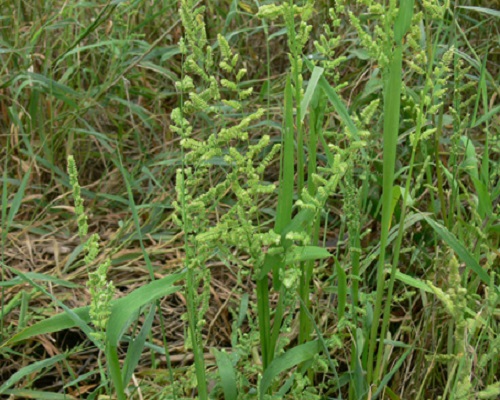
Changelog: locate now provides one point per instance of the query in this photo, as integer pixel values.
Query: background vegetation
(234, 199)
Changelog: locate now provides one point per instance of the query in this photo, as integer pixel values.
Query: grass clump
(283, 200)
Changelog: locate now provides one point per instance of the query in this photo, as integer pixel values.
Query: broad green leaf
(290, 359)
(299, 222)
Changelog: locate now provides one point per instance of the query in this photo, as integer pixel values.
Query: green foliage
(324, 176)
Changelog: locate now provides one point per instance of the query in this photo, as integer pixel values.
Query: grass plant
(249, 200)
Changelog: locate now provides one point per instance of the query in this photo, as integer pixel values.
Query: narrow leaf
(403, 20)
(285, 197)
(290, 359)
(337, 103)
(135, 347)
(227, 375)
(306, 253)
(125, 307)
(341, 289)
(30, 369)
(459, 249)
(413, 282)
(391, 373)
(18, 198)
(482, 10)
(486, 117)
(311, 88)
(135, 300)
(38, 395)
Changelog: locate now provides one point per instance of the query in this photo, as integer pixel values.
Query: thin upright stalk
(392, 98)
(315, 121)
(392, 102)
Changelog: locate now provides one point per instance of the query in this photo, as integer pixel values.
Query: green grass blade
(35, 276)
(341, 290)
(114, 371)
(30, 369)
(321, 340)
(413, 282)
(285, 196)
(485, 205)
(264, 319)
(459, 249)
(53, 88)
(233, 12)
(392, 98)
(385, 380)
(392, 102)
(103, 15)
(136, 299)
(227, 375)
(290, 359)
(403, 20)
(336, 102)
(37, 395)
(283, 218)
(482, 10)
(75, 318)
(52, 324)
(306, 253)
(311, 89)
(18, 199)
(123, 309)
(487, 116)
(135, 347)
(135, 215)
